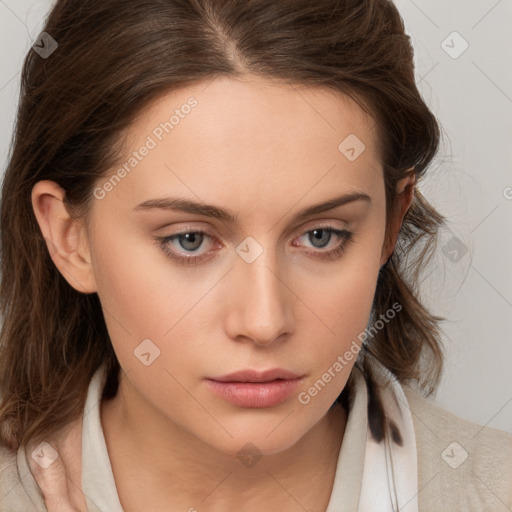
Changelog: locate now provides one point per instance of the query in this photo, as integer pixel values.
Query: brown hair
(112, 59)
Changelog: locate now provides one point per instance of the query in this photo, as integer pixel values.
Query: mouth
(255, 389)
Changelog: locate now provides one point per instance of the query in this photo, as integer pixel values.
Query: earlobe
(65, 237)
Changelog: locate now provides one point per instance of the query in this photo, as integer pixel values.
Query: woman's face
(254, 284)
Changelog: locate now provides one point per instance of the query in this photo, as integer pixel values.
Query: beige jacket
(462, 466)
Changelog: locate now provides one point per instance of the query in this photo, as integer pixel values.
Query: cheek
(343, 291)
(137, 299)
(341, 297)
(342, 307)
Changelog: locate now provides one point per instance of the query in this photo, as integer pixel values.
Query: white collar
(98, 482)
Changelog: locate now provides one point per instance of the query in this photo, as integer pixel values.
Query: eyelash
(346, 236)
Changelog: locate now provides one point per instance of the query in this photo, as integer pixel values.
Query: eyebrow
(188, 206)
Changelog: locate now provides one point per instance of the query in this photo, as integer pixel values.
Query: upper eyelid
(310, 225)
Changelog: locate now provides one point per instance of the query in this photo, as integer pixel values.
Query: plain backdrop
(464, 72)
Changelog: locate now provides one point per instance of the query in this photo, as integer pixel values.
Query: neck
(173, 467)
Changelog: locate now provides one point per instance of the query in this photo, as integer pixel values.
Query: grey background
(470, 279)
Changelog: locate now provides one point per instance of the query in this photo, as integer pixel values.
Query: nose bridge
(261, 299)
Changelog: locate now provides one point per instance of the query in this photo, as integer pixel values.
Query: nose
(260, 305)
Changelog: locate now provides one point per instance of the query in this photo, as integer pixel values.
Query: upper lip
(257, 376)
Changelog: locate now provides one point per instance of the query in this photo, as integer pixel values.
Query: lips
(255, 389)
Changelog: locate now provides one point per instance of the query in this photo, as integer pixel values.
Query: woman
(206, 297)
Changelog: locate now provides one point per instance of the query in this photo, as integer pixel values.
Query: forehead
(255, 108)
(249, 138)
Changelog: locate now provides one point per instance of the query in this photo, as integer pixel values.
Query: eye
(183, 241)
(320, 237)
(174, 246)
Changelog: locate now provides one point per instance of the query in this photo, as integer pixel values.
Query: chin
(254, 441)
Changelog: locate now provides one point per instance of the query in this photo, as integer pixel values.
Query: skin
(264, 151)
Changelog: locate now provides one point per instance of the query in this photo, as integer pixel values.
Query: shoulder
(461, 465)
(13, 495)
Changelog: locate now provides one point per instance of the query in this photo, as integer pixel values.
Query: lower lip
(255, 394)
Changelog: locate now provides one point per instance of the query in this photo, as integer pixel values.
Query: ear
(405, 195)
(66, 238)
